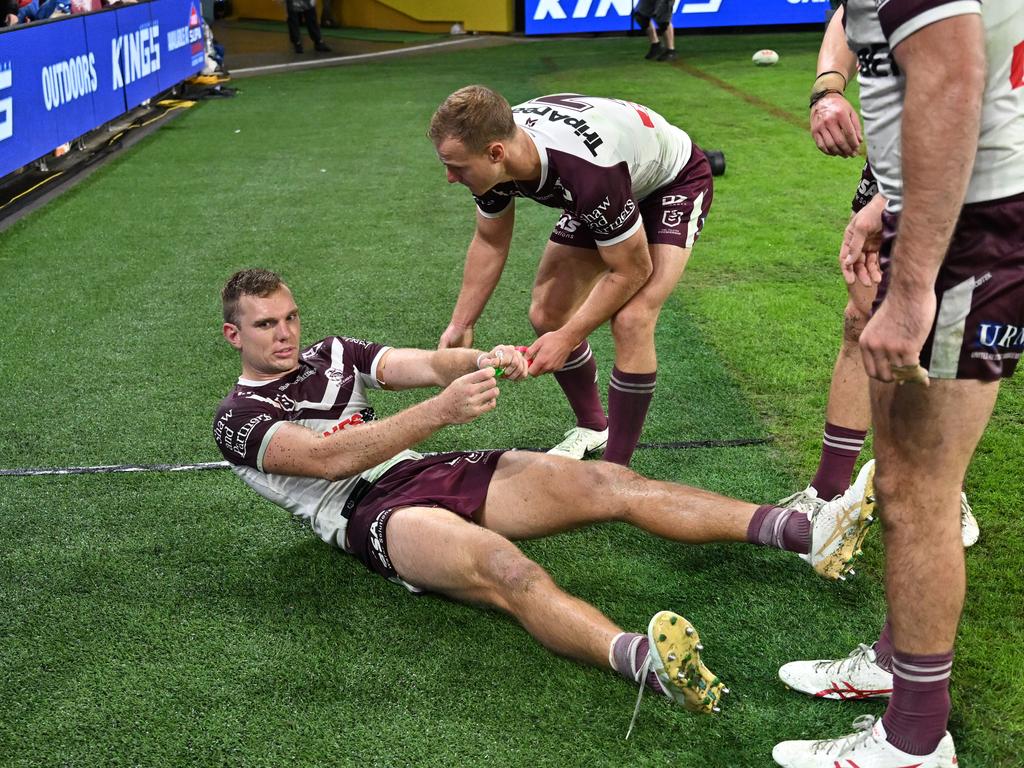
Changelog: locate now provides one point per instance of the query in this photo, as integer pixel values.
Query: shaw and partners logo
(6, 102)
(135, 55)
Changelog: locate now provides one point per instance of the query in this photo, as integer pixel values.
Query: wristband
(819, 95)
(833, 72)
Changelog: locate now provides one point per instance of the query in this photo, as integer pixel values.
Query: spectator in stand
(33, 10)
(9, 11)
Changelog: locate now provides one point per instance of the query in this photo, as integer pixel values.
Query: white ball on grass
(765, 57)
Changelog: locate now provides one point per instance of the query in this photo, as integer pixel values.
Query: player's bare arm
(835, 125)
(629, 267)
(411, 368)
(485, 260)
(944, 64)
(296, 450)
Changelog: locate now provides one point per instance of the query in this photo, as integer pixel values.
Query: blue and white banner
(554, 17)
(63, 78)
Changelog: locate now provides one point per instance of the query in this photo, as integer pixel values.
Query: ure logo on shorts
(1001, 336)
(673, 199)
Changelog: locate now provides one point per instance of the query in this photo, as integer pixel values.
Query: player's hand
(549, 352)
(835, 126)
(509, 359)
(858, 256)
(469, 396)
(456, 335)
(892, 340)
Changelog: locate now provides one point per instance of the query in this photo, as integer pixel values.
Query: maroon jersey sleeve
(493, 202)
(243, 428)
(363, 355)
(901, 18)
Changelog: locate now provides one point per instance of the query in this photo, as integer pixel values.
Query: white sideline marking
(334, 60)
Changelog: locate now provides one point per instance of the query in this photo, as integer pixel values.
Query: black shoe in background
(656, 50)
(322, 47)
(668, 55)
(298, 47)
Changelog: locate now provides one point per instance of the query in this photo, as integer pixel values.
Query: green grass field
(177, 619)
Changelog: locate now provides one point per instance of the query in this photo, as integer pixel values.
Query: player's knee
(634, 325)
(611, 486)
(662, 27)
(510, 574)
(543, 319)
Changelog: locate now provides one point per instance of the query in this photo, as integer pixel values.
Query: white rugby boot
(838, 527)
(673, 655)
(805, 501)
(865, 748)
(856, 676)
(579, 441)
(969, 530)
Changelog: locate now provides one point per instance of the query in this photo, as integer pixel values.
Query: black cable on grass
(205, 465)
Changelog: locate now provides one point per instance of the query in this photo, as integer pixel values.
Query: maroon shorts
(454, 481)
(978, 331)
(672, 215)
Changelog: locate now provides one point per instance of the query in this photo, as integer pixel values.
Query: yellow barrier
(405, 15)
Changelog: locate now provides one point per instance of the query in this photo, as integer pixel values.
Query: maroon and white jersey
(874, 27)
(327, 393)
(599, 158)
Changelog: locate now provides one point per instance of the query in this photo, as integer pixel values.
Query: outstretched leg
(436, 550)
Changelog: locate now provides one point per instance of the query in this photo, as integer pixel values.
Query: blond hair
(475, 115)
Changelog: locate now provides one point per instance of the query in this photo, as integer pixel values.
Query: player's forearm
(945, 74)
(835, 56)
(351, 451)
(448, 364)
(484, 265)
(608, 296)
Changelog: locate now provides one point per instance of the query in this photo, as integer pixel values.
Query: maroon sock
(782, 528)
(883, 648)
(627, 656)
(839, 451)
(918, 712)
(578, 379)
(629, 397)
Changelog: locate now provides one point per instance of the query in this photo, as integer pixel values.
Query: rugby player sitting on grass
(299, 430)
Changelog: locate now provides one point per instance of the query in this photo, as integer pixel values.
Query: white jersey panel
(999, 167)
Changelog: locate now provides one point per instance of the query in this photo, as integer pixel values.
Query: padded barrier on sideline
(63, 78)
(560, 17)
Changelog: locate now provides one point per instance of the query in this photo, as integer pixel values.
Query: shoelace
(642, 676)
(863, 731)
(802, 501)
(572, 446)
(860, 656)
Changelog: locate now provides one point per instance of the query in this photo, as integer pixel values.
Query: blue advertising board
(61, 79)
(554, 17)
